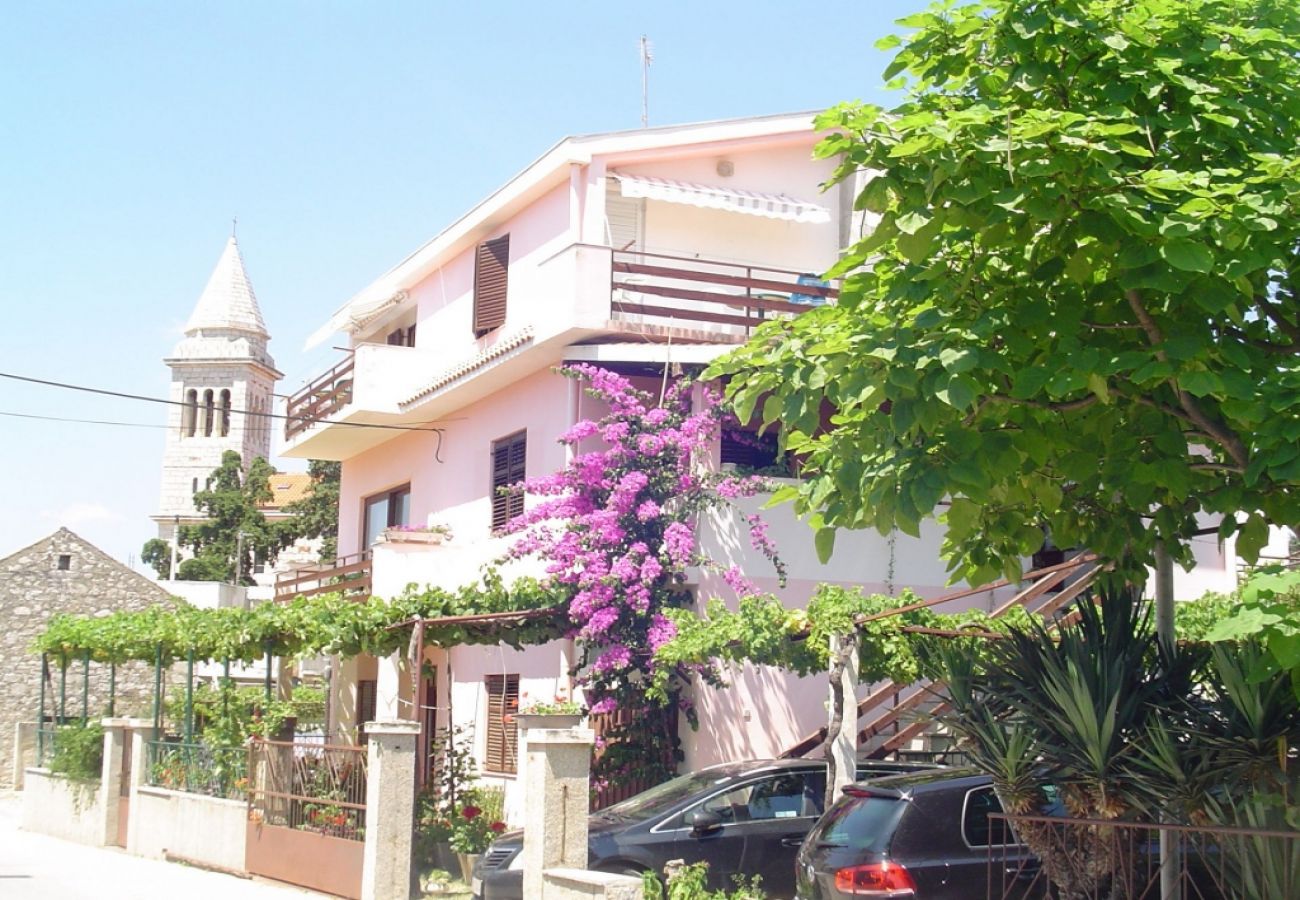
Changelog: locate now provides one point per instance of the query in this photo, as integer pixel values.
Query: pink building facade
(636, 251)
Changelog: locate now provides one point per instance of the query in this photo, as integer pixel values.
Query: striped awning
(707, 196)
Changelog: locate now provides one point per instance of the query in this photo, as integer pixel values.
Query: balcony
(321, 399)
(581, 294)
(348, 575)
(661, 289)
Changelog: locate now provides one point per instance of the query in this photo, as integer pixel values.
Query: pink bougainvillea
(617, 526)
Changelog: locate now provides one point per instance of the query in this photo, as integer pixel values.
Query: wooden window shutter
(491, 271)
(502, 737)
(508, 467)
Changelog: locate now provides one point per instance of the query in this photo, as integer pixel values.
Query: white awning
(356, 313)
(753, 203)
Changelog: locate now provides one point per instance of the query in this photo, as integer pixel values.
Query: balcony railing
(660, 287)
(320, 399)
(348, 575)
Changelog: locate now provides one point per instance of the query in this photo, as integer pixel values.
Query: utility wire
(16, 415)
(244, 412)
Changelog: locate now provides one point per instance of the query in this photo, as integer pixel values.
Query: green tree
(1077, 310)
(158, 554)
(317, 514)
(232, 504)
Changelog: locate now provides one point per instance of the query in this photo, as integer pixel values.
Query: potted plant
(417, 534)
(471, 832)
(559, 712)
(436, 881)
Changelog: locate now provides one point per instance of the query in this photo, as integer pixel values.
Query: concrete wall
(61, 807)
(207, 829)
(24, 752)
(579, 884)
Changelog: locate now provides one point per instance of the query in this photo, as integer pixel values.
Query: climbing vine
(306, 626)
(762, 631)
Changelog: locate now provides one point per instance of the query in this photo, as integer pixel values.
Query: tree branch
(1224, 438)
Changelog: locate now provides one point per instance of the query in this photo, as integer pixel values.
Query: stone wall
(33, 587)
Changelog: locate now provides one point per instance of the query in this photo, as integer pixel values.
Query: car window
(860, 822)
(976, 827)
(789, 795)
(661, 798)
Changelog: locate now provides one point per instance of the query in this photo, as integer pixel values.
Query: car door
(782, 810)
(723, 846)
(989, 842)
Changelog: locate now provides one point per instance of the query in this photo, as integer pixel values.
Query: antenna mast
(647, 57)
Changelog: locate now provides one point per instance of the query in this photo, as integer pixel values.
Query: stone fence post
(390, 808)
(557, 785)
(141, 731)
(110, 780)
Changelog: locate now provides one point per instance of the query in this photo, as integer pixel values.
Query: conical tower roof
(228, 302)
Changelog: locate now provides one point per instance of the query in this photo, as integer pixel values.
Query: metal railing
(45, 738)
(309, 786)
(1098, 858)
(658, 286)
(323, 397)
(197, 769)
(347, 575)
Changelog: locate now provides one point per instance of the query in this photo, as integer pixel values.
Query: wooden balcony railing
(348, 575)
(322, 398)
(656, 286)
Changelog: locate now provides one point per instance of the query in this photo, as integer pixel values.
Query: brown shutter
(503, 704)
(491, 271)
(508, 468)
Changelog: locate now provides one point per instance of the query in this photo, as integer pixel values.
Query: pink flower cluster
(616, 526)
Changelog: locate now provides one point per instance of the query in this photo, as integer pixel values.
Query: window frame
(388, 495)
(506, 507)
(501, 721)
(491, 285)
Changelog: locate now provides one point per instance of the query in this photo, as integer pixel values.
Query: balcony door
(385, 510)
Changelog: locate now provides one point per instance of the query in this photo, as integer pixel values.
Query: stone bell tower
(222, 382)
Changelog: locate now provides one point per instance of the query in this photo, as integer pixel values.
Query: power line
(245, 412)
(16, 415)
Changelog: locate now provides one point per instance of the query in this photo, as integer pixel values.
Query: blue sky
(342, 135)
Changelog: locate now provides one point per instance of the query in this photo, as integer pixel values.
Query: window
(366, 692)
(491, 269)
(225, 413)
(976, 827)
(190, 414)
(401, 337)
(502, 738)
(385, 510)
(65, 562)
(207, 413)
(508, 458)
(793, 795)
(194, 486)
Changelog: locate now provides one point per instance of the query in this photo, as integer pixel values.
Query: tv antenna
(647, 57)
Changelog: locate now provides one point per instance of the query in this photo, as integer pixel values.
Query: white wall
(63, 808)
(207, 829)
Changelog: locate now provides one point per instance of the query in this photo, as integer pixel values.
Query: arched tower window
(207, 413)
(190, 414)
(225, 413)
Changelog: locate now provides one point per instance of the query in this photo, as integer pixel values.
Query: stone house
(62, 573)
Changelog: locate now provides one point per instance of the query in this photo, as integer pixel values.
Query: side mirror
(703, 821)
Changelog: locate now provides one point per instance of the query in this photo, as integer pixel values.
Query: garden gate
(307, 814)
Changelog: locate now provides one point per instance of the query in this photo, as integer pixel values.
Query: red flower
(498, 827)
(471, 812)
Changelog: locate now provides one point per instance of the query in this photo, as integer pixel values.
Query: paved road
(37, 867)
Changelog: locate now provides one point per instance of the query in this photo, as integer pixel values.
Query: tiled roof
(288, 487)
(228, 302)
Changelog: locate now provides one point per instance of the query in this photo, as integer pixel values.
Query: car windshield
(667, 795)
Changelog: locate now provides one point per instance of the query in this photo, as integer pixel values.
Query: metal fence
(197, 768)
(45, 745)
(308, 786)
(1112, 860)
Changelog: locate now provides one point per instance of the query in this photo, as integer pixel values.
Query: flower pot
(395, 536)
(467, 862)
(525, 721)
